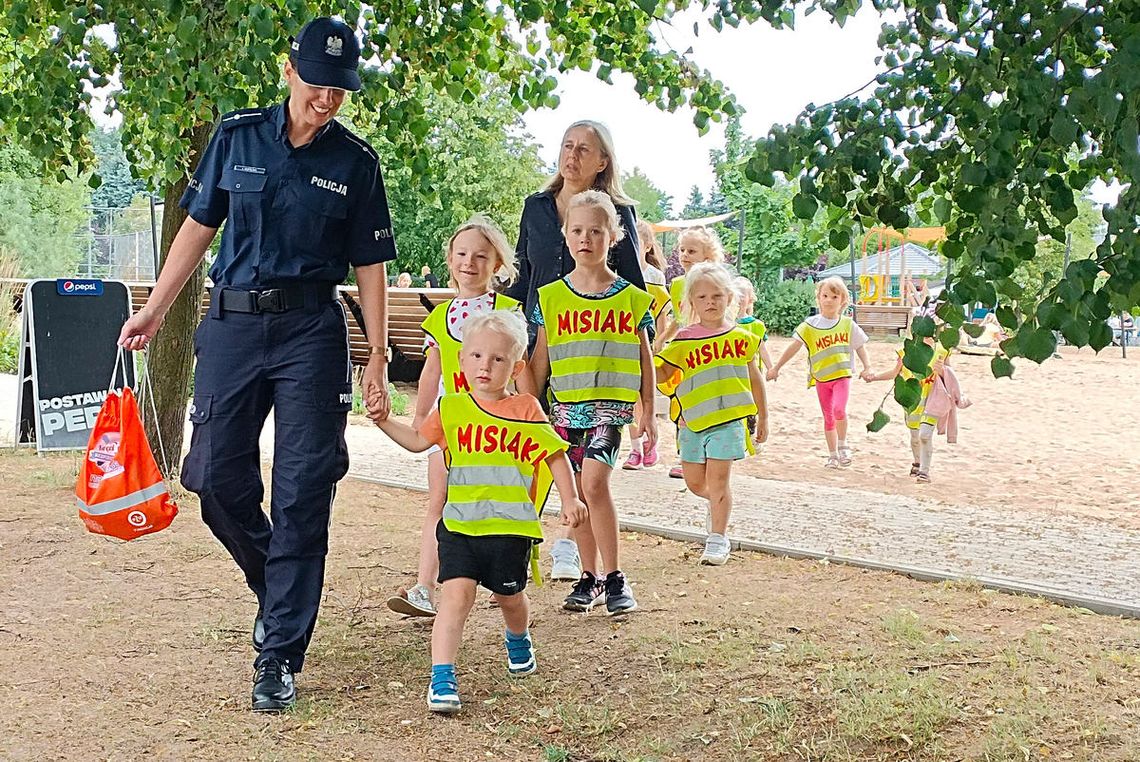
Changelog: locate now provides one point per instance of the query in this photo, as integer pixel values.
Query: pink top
(698, 331)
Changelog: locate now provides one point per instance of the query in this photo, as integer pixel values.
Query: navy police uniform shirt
(295, 214)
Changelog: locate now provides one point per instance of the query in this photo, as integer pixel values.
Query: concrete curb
(1104, 606)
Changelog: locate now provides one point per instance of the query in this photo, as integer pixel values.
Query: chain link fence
(120, 244)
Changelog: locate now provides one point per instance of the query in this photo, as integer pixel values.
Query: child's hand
(772, 374)
(377, 411)
(867, 375)
(648, 429)
(761, 435)
(574, 513)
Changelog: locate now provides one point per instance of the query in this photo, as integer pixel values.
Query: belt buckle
(271, 300)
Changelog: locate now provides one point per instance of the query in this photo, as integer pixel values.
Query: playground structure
(878, 284)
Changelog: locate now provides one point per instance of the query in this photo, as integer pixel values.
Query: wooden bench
(883, 318)
(407, 310)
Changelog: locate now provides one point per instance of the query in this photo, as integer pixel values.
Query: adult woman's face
(313, 107)
(581, 158)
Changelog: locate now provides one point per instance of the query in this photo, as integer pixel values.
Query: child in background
(502, 457)
(830, 338)
(711, 369)
(746, 296)
(593, 344)
(475, 254)
(921, 425)
(641, 455)
(695, 245)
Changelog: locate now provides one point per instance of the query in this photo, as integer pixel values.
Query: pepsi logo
(68, 286)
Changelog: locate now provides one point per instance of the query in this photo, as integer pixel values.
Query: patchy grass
(764, 659)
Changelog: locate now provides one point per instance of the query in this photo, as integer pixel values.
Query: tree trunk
(171, 353)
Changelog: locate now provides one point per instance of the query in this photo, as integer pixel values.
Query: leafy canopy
(991, 119)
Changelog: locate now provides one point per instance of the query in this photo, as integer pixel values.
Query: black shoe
(586, 590)
(273, 689)
(258, 632)
(619, 596)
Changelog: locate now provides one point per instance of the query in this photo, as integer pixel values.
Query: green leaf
(804, 207)
(1036, 344)
(908, 392)
(948, 337)
(917, 356)
(974, 174)
(1001, 367)
(839, 238)
(942, 209)
(973, 330)
(922, 326)
(878, 421)
(1100, 335)
(1006, 317)
(649, 6)
(1076, 330)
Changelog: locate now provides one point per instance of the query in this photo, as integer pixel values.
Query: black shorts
(497, 562)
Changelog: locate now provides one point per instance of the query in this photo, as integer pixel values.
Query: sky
(773, 75)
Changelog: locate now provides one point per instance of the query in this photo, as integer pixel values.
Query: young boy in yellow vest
(830, 338)
(711, 371)
(502, 457)
(593, 344)
(477, 253)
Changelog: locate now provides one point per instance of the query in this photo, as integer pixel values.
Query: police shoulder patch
(243, 116)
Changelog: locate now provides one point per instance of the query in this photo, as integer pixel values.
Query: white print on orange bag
(103, 455)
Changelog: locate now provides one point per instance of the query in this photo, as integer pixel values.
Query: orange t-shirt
(516, 407)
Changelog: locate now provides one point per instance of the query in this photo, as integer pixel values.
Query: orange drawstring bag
(120, 491)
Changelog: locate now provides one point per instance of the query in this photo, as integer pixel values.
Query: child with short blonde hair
(711, 370)
(496, 486)
(476, 254)
(830, 338)
(593, 346)
(641, 454)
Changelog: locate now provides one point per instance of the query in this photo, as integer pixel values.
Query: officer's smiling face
(472, 261)
(487, 363)
(311, 107)
(588, 235)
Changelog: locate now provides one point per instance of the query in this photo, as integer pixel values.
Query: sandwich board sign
(67, 356)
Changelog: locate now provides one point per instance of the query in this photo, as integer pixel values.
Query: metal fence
(121, 244)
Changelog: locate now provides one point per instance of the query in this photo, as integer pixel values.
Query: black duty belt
(280, 299)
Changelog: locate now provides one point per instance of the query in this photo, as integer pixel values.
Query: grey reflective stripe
(712, 375)
(595, 348)
(491, 476)
(481, 510)
(119, 503)
(709, 406)
(823, 354)
(595, 379)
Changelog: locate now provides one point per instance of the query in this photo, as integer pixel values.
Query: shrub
(9, 318)
(399, 399)
(785, 305)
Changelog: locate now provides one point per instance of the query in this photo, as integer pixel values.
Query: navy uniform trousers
(296, 363)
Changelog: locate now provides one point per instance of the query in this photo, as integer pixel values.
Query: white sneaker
(717, 549)
(567, 562)
(415, 602)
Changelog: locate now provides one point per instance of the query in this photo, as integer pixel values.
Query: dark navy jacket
(295, 214)
(543, 256)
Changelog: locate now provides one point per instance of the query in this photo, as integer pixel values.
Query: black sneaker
(273, 689)
(587, 590)
(619, 596)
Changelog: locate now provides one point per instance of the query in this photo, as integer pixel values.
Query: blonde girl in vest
(502, 458)
(476, 253)
(593, 345)
(641, 455)
(695, 245)
(711, 369)
(746, 319)
(921, 425)
(830, 338)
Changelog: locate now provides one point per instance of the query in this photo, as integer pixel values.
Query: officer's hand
(575, 513)
(139, 330)
(375, 389)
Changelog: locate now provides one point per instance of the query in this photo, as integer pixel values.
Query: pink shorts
(833, 400)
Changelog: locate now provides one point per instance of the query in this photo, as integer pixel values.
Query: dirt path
(140, 650)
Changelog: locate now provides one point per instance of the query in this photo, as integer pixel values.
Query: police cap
(326, 54)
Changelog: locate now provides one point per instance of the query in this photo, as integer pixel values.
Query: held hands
(140, 329)
(868, 375)
(648, 428)
(772, 374)
(375, 390)
(574, 513)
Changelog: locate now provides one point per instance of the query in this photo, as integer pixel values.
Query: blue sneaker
(520, 655)
(443, 696)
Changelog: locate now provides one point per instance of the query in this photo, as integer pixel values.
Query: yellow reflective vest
(676, 293)
(710, 377)
(594, 343)
(497, 476)
(436, 326)
(829, 350)
(661, 299)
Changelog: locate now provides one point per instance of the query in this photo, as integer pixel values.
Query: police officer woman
(304, 199)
